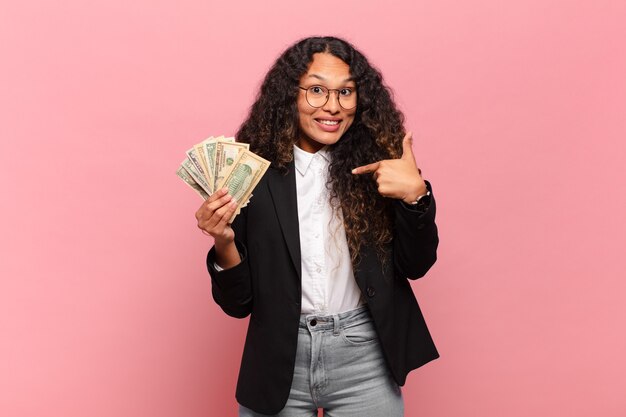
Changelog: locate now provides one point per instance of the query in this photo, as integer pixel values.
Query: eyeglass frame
(306, 90)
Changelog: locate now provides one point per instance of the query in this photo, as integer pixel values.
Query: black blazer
(267, 285)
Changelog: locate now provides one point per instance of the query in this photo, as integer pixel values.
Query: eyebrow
(319, 77)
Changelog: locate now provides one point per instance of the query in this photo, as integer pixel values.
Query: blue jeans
(340, 368)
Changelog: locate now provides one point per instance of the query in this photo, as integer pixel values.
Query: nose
(332, 104)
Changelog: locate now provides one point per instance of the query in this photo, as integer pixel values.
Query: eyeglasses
(317, 96)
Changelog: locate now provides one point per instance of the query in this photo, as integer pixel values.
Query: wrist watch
(422, 202)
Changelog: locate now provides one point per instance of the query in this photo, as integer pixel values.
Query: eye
(345, 92)
(317, 90)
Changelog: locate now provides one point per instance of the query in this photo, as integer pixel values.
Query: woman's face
(324, 125)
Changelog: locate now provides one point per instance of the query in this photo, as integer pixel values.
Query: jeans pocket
(360, 334)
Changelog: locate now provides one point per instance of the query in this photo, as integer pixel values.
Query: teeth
(329, 122)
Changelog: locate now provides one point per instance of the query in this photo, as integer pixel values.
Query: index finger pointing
(366, 168)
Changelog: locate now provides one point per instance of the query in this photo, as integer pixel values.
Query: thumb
(407, 146)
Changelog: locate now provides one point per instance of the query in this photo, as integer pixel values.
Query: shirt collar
(303, 159)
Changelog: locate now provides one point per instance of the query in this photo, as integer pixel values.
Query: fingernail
(354, 171)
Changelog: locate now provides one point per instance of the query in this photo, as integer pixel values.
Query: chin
(325, 139)
(329, 140)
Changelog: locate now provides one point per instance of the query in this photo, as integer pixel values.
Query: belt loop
(336, 323)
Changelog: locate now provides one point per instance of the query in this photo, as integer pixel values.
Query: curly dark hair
(376, 133)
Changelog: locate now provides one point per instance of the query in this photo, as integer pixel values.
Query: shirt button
(313, 322)
(370, 291)
(318, 270)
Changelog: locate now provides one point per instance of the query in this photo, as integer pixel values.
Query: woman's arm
(227, 261)
(415, 238)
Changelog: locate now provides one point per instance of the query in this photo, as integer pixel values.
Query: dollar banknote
(244, 176)
(210, 146)
(221, 162)
(186, 176)
(210, 150)
(209, 153)
(226, 153)
(194, 158)
(199, 152)
(200, 180)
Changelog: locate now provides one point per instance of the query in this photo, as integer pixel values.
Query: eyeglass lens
(318, 96)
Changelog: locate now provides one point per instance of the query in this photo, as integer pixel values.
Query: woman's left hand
(397, 178)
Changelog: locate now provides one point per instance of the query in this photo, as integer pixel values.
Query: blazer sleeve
(231, 288)
(415, 239)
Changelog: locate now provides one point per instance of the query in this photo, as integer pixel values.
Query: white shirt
(328, 284)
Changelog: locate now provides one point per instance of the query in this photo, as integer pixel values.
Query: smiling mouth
(328, 122)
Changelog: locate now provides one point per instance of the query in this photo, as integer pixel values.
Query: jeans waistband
(321, 322)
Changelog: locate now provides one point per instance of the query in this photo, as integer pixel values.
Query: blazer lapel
(283, 191)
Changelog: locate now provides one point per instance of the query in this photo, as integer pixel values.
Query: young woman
(321, 256)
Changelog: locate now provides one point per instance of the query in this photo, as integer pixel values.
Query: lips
(328, 125)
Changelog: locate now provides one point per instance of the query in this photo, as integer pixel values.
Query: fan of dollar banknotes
(220, 162)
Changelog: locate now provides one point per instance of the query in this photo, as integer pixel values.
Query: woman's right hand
(213, 216)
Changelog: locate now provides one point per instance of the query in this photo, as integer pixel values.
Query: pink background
(519, 114)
